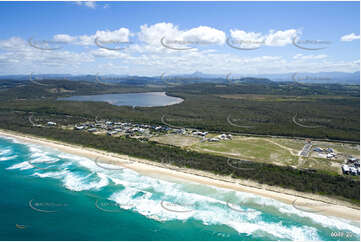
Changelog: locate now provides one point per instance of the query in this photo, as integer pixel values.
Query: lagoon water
(148, 99)
(50, 195)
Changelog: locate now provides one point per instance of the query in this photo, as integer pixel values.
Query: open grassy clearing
(177, 140)
(249, 148)
(277, 151)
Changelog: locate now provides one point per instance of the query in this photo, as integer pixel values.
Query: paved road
(306, 149)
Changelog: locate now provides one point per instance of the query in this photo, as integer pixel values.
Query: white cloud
(152, 34)
(273, 38)
(119, 35)
(280, 38)
(148, 57)
(309, 57)
(350, 37)
(204, 34)
(64, 38)
(89, 4)
(195, 37)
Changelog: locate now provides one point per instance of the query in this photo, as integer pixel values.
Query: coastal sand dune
(303, 201)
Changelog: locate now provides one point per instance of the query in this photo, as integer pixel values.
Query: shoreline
(330, 206)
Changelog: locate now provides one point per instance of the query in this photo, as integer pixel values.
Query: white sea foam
(8, 158)
(213, 210)
(22, 166)
(57, 174)
(45, 159)
(78, 183)
(4, 152)
(144, 195)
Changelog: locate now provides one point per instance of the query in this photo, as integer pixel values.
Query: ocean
(51, 195)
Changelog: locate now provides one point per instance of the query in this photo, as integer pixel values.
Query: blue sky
(210, 37)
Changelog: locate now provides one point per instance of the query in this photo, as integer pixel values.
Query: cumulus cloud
(273, 38)
(204, 34)
(148, 57)
(173, 36)
(350, 37)
(119, 35)
(280, 38)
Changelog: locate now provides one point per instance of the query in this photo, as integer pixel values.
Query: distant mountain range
(304, 77)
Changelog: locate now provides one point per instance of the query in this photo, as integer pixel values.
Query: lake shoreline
(141, 99)
(331, 207)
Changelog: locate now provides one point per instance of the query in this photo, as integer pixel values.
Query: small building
(352, 160)
(213, 140)
(353, 171)
(79, 127)
(345, 169)
(92, 130)
(112, 133)
(51, 124)
(318, 149)
(329, 150)
(200, 133)
(330, 155)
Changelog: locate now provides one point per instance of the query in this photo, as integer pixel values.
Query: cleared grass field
(248, 148)
(177, 140)
(279, 151)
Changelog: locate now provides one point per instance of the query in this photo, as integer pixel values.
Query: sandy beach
(303, 201)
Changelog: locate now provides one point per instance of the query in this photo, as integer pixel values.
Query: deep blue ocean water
(147, 99)
(50, 195)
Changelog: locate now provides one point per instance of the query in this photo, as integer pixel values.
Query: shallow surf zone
(124, 190)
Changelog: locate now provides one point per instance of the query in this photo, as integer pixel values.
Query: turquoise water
(58, 196)
(148, 99)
